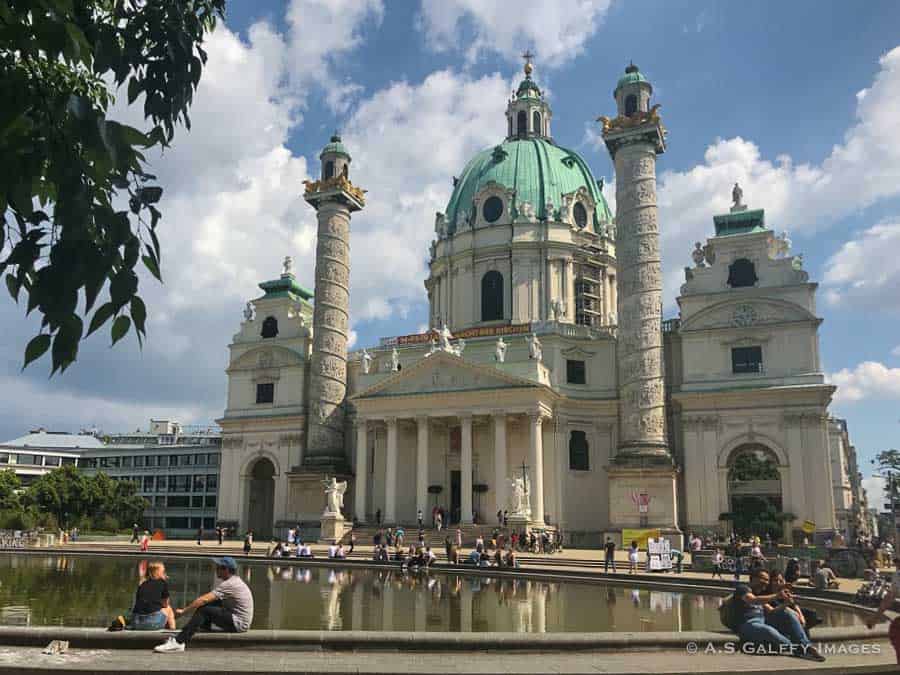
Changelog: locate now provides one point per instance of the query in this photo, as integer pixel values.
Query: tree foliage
(77, 208)
(10, 486)
(751, 466)
(72, 497)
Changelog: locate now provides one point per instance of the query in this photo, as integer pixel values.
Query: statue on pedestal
(287, 266)
(366, 360)
(698, 255)
(737, 196)
(519, 499)
(248, 312)
(535, 351)
(500, 350)
(334, 496)
(395, 360)
(445, 336)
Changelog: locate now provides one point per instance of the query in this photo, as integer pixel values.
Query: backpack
(728, 613)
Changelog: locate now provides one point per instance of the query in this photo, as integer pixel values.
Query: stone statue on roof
(500, 350)
(248, 312)
(366, 362)
(288, 266)
(737, 196)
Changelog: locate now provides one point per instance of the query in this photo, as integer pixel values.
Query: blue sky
(766, 93)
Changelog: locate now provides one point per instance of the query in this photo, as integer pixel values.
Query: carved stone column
(641, 388)
(500, 477)
(334, 200)
(422, 466)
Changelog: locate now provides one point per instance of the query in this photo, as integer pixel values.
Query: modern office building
(175, 468)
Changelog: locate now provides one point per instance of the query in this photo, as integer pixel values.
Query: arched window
(630, 105)
(580, 215)
(493, 209)
(492, 296)
(269, 327)
(579, 452)
(742, 272)
(536, 123)
(522, 124)
(755, 491)
(329, 169)
(509, 133)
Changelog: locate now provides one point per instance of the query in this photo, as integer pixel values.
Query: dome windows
(579, 214)
(536, 123)
(492, 209)
(522, 124)
(742, 273)
(631, 104)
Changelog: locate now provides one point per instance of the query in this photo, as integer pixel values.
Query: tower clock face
(744, 315)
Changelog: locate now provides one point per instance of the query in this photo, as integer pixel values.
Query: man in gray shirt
(229, 605)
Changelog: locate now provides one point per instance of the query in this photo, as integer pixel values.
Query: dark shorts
(894, 635)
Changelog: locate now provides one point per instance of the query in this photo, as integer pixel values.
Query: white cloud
(895, 351)
(864, 271)
(407, 142)
(869, 379)
(858, 172)
(556, 31)
(321, 33)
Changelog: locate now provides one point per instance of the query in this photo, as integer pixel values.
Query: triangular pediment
(443, 372)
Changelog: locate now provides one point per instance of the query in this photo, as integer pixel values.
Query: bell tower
(527, 114)
(643, 473)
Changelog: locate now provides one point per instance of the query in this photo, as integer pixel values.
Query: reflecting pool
(90, 590)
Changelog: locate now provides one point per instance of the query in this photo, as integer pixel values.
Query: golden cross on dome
(528, 65)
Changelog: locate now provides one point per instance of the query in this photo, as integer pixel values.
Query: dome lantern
(632, 92)
(335, 158)
(528, 114)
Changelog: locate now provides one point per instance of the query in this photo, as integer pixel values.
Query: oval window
(580, 215)
(493, 209)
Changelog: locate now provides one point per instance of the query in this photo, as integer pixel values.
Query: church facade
(547, 366)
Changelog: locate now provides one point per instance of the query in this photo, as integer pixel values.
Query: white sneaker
(170, 645)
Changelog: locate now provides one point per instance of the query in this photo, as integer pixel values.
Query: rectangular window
(213, 459)
(210, 501)
(199, 459)
(187, 460)
(199, 483)
(173, 460)
(29, 459)
(149, 483)
(746, 360)
(197, 501)
(139, 462)
(176, 523)
(265, 392)
(178, 501)
(182, 483)
(196, 522)
(212, 482)
(160, 501)
(209, 523)
(4, 458)
(51, 461)
(66, 461)
(575, 372)
(126, 462)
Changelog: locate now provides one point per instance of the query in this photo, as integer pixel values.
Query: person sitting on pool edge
(151, 609)
(229, 606)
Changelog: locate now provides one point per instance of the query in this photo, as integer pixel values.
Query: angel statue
(446, 336)
(334, 495)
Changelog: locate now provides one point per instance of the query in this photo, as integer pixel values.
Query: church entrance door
(455, 495)
(261, 508)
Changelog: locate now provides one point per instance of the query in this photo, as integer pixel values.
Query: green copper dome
(632, 75)
(336, 146)
(537, 170)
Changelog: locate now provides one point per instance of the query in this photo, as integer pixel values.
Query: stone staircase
(365, 534)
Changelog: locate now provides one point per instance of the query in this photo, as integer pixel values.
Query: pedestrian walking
(352, 542)
(419, 517)
(610, 557)
(199, 535)
(248, 542)
(717, 561)
(632, 557)
(378, 517)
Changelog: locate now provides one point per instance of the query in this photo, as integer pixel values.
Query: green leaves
(120, 327)
(58, 149)
(36, 348)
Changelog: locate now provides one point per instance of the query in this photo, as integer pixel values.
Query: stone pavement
(879, 657)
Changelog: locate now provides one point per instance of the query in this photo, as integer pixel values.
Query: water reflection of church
(558, 365)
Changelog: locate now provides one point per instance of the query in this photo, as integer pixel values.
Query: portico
(457, 449)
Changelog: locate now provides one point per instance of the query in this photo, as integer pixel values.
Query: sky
(799, 102)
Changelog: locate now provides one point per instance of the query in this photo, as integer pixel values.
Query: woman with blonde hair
(152, 610)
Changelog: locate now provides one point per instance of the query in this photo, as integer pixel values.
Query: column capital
(499, 414)
(538, 416)
(465, 416)
(422, 419)
(390, 421)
